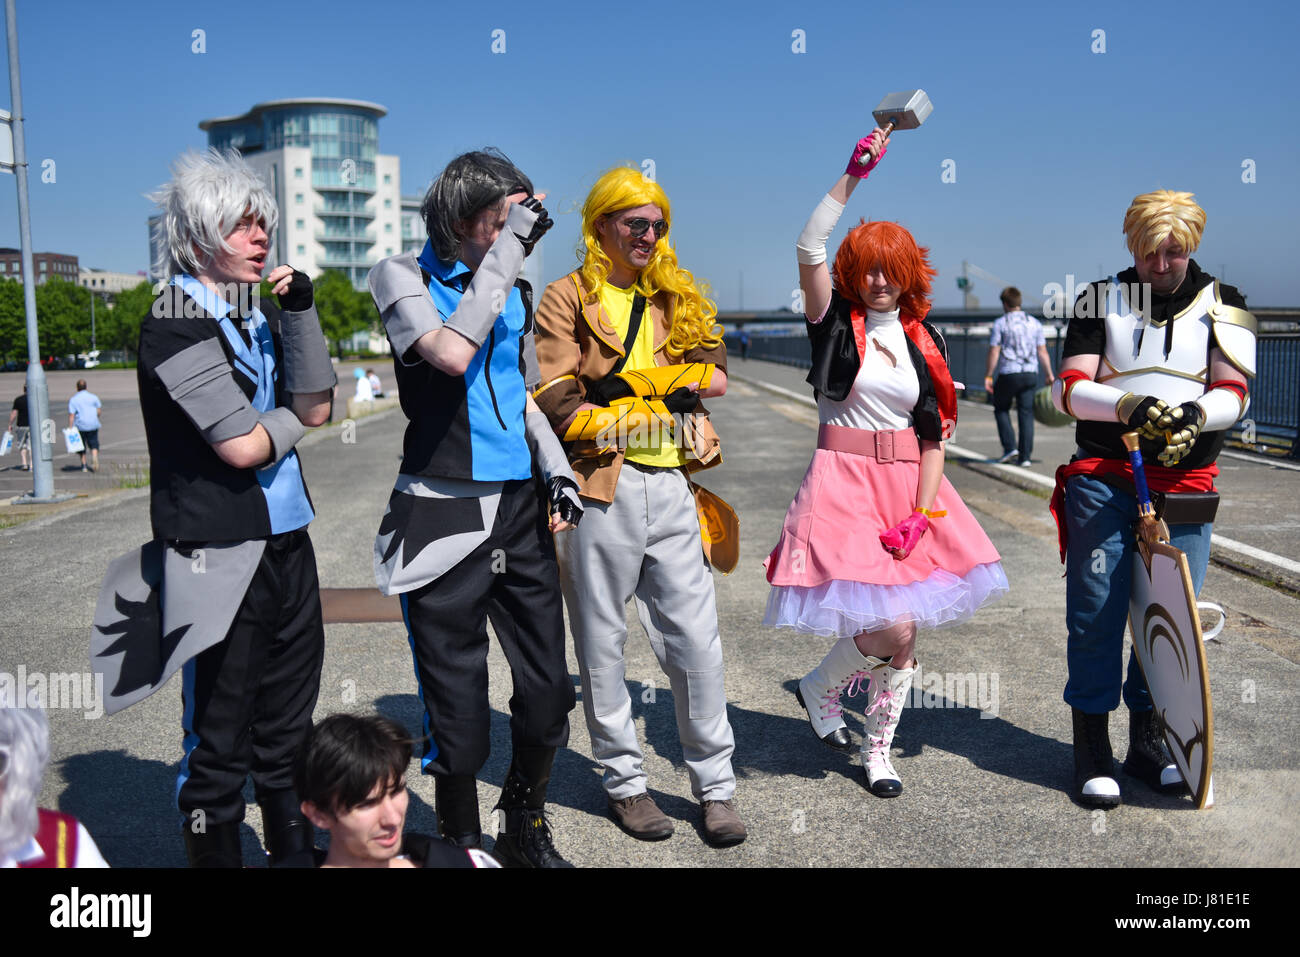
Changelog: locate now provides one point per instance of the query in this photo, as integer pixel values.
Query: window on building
(299, 224)
(302, 250)
(388, 250)
(388, 204)
(297, 172)
(298, 198)
(388, 179)
(388, 227)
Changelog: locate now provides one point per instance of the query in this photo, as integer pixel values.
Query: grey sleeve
(285, 430)
(496, 275)
(307, 366)
(547, 451)
(528, 355)
(199, 380)
(403, 302)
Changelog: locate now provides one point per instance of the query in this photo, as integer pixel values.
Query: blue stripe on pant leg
(189, 671)
(430, 745)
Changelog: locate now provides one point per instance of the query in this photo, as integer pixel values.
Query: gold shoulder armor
(1235, 331)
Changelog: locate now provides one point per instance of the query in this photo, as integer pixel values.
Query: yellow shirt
(644, 447)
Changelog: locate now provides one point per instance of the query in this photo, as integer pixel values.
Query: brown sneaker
(722, 825)
(641, 817)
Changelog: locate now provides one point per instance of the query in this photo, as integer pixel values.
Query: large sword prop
(1167, 639)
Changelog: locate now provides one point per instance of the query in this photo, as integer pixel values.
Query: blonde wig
(1154, 217)
(693, 312)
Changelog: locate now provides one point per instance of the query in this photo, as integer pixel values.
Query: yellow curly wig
(693, 312)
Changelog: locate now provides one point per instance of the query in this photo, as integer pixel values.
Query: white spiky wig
(25, 739)
(208, 195)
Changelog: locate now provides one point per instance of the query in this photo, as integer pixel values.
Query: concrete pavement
(985, 759)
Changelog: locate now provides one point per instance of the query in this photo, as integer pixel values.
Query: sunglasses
(638, 226)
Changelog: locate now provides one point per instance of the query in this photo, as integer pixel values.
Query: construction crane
(970, 300)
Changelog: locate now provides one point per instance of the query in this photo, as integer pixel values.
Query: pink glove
(863, 149)
(902, 538)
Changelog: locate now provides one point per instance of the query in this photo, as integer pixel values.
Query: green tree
(13, 321)
(341, 308)
(63, 317)
(121, 330)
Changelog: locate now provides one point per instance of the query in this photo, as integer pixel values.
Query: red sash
(56, 833)
(1159, 479)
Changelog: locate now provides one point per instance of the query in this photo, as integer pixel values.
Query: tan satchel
(719, 529)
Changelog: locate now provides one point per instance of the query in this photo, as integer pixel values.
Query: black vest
(835, 365)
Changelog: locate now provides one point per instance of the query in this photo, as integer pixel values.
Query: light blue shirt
(1019, 336)
(84, 406)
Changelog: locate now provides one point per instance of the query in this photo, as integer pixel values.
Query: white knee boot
(819, 691)
(889, 688)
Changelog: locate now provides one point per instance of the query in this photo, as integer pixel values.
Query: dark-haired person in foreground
(351, 775)
(466, 537)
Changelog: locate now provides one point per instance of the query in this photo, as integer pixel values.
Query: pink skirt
(831, 576)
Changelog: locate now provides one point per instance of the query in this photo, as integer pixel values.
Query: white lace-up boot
(819, 691)
(889, 688)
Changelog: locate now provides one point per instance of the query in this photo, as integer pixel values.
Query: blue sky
(1049, 140)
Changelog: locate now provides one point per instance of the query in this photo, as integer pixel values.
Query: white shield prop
(1167, 639)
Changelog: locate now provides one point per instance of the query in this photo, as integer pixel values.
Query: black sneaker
(1148, 760)
(526, 840)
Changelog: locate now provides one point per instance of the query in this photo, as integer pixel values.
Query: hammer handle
(865, 158)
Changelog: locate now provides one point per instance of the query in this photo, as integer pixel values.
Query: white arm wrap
(1222, 408)
(811, 248)
(1088, 400)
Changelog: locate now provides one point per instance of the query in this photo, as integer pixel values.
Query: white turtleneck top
(884, 392)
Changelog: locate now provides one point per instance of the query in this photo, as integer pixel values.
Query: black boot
(525, 838)
(1094, 764)
(1148, 760)
(455, 801)
(290, 837)
(217, 846)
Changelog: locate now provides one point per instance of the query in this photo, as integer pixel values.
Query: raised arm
(814, 277)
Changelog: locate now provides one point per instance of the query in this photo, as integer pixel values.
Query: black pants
(249, 699)
(512, 579)
(1018, 387)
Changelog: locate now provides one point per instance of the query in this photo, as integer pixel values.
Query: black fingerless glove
(606, 390)
(298, 297)
(681, 401)
(540, 226)
(564, 505)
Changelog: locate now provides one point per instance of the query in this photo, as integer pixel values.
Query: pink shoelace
(854, 684)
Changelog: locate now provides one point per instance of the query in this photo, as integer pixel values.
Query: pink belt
(885, 447)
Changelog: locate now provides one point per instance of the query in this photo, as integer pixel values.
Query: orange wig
(904, 263)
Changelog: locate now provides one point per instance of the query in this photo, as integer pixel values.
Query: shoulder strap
(633, 327)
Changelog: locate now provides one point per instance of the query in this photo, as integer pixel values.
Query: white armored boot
(889, 688)
(819, 691)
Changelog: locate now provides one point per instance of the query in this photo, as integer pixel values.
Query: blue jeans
(1099, 568)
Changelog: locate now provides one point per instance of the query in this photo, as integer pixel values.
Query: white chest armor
(1134, 359)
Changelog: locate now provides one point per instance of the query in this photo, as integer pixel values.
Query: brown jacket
(576, 346)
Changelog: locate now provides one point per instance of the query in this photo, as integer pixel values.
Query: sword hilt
(1145, 508)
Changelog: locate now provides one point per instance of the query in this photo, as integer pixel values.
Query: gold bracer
(662, 380)
(613, 424)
